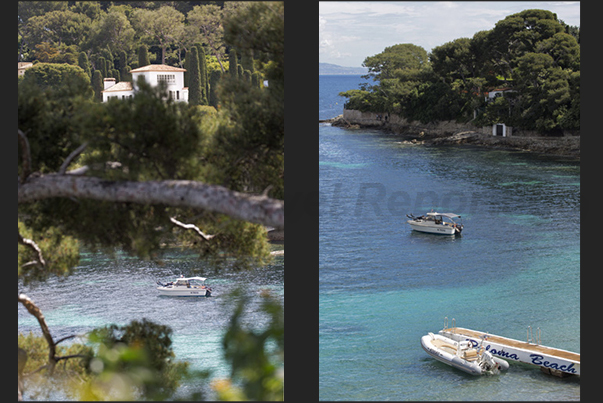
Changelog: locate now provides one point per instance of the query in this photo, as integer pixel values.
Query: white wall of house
(174, 80)
(117, 94)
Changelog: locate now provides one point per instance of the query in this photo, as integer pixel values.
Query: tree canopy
(532, 54)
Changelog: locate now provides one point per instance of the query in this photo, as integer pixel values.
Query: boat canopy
(449, 215)
(192, 278)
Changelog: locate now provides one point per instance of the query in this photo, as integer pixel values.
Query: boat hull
(184, 292)
(431, 228)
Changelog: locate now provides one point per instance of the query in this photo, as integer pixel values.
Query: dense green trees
(112, 35)
(531, 53)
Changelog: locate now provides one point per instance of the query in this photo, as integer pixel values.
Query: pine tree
(194, 79)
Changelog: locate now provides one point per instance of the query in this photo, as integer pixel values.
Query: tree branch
(32, 245)
(26, 158)
(193, 227)
(176, 193)
(37, 313)
(71, 157)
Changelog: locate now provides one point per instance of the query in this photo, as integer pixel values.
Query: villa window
(167, 78)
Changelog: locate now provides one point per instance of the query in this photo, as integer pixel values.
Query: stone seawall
(451, 132)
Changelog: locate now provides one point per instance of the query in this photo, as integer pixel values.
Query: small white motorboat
(461, 355)
(185, 287)
(436, 223)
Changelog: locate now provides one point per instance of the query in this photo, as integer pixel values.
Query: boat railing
(446, 324)
(531, 339)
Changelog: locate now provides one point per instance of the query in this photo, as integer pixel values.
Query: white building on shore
(153, 74)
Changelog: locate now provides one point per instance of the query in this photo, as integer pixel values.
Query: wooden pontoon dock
(551, 360)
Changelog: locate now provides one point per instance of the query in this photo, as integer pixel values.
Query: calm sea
(104, 290)
(383, 286)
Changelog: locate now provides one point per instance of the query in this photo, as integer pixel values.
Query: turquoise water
(102, 291)
(383, 286)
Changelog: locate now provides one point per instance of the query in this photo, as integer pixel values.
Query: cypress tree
(102, 66)
(215, 77)
(143, 56)
(204, 82)
(82, 61)
(97, 85)
(256, 80)
(194, 79)
(123, 64)
(186, 67)
(247, 60)
(232, 61)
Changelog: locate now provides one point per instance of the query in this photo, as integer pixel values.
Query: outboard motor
(208, 292)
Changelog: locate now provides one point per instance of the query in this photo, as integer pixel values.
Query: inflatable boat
(461, 355)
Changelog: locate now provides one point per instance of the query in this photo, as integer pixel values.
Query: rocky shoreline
(567, 146)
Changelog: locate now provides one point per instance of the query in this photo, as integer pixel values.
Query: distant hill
(333, 69)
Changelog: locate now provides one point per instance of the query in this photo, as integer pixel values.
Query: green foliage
(530, 52)
(152, 137)
(97, 85)
(256, 356)
(82, 61)
(143, 56)
(398, 57)
(194, 78)
(233, 63)
(431, 102)
(61, 254)
(254, 136)
(203, 75)
(36, 348)
(214, 81)
(133, 361)
(50, 97)
(65, 79)
(236, 243)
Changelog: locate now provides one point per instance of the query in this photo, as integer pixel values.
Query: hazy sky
(351, 31)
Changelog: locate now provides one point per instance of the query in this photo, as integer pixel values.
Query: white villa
(153, 74)
(24, 66)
